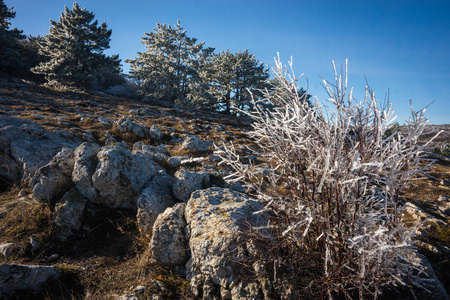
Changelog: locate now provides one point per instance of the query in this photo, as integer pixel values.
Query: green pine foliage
(177, 69)
(169, 68)
(234, 78)
(75, 46)
(10, 56)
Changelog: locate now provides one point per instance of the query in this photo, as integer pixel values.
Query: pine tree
(9, 49)
(234, 78)
(169, 68)
(75, 45)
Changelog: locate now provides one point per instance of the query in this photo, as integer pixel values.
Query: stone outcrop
(69, 213)
(10, 170)
(187, 182)
(85, 164)
(15, 278)
(54, 179)
(156, 196)
(217, 221)
(29, 145)
(194, 143)
(132, 129)
(212, 225)
(121, 176)
(169, 245)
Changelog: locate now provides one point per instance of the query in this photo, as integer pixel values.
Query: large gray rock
(30, 145)
(69, 213)
(187, 182)
(14, 278)
(194, 143)
(54, 179)
(9, 134)
(436, 289)
(156, 196)
(85, 164)
(9, 168)
(132, 129)
(154, 133)
(121, 176)
(218, 220)
(169, 245)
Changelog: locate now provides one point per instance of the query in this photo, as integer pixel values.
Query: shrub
(334, 176)
(443, 150)
(127, 89)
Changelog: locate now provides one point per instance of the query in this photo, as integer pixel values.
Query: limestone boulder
(69, 213)
(187, 182)
(218, 220)
(194, 143)
(10, 170)
(121, 175)
(169, 245)
(85, 164)
(154, 133)
(154, 199)
(30, 145)
(132, 129)
(53, 180)
(15, 278)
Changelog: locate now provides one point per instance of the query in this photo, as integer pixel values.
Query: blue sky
(403, 46)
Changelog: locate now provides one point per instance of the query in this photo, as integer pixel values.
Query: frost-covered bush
(333, 177)
(127, 89)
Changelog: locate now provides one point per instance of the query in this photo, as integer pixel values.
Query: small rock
(104, 121)
(35, 245)
(155, 133)
(5, 249)
(194, 143)
(109, 139)
(53, 256)
(128, 297)
(140, 289)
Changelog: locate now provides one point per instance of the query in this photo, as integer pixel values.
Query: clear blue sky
(403, 46)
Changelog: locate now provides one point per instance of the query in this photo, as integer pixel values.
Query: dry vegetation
(109, 257)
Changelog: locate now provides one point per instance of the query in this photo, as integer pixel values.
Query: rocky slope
(127, 200)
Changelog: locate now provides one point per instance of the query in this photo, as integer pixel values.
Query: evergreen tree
(9, 49)
(234, 78)
(75, 46)
(170, 67)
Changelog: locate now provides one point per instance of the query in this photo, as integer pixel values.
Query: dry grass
(109, 257)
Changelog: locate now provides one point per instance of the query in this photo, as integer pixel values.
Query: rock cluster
(206, 238)
(196, 226)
